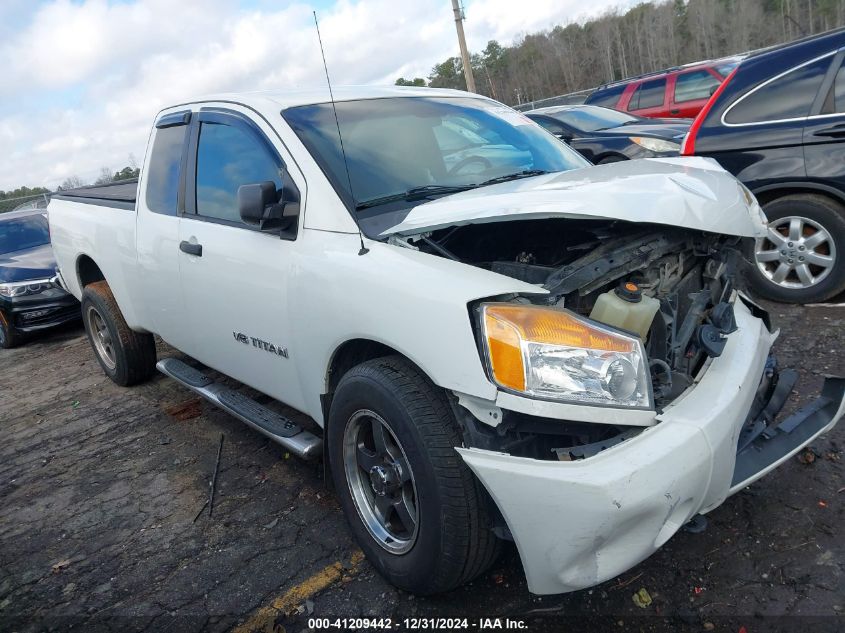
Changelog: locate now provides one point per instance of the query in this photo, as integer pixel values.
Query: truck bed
(120, 195)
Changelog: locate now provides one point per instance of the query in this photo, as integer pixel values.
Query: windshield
(23, 233)
(402, 151)
(593, 118)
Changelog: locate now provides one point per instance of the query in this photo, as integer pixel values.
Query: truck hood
(694, 193)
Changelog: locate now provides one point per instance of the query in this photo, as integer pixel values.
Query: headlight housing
(655, 144)
(27, 288)
(555, 354)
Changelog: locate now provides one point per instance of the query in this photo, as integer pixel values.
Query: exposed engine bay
(687, 277)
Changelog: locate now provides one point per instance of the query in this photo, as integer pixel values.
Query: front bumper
(38, 312)
(579, 523)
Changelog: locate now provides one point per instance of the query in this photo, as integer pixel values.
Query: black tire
(454, 542)
(9, 338)
(828, 214)
(611, 159)
(133, 355)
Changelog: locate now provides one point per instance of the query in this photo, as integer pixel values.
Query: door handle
(674, 111)
(835, 131)
(190, 249)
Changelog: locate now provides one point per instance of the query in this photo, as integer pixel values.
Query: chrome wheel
(380, 481)
(796, 252)
(101, 336)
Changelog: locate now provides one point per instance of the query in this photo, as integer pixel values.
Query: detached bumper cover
(579, 523)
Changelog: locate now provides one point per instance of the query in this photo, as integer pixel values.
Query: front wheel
(126, 356)
(412, 504)
(799, 260)
(8, 336)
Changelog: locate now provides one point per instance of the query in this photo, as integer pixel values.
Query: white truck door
(160, 201)
(234, 277)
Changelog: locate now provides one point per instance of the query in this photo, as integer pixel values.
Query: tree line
(618, 44)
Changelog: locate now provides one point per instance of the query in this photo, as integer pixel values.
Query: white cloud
(85, 95)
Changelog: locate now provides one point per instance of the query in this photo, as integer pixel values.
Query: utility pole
(459, 25)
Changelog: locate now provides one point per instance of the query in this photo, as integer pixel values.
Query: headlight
(557, 355)
(26, 288)
(655, 144)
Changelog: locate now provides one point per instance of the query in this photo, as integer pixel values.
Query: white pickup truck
(497, 340)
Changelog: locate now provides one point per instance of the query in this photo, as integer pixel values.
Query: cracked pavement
(99, 486)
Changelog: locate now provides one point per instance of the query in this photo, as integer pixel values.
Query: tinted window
(163, 169)
(552, 126)
(592, 118)
(228, 157)
(649, 94)
(788, 97)
(23, 233)
(697, 84)
(839, 90)
(608, 97)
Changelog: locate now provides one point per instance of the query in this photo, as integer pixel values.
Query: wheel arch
(769, 193)
(87, 271)
(347, 355)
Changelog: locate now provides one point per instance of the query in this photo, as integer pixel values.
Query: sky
(81, 81)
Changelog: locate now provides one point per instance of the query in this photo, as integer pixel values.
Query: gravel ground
(99, 488)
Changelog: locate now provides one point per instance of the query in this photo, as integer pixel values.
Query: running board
(274, 425)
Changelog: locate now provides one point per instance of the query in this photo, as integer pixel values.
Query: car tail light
(688, 146)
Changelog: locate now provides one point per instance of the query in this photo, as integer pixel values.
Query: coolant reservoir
(626, 308)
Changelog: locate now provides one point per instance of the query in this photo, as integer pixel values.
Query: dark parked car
(30, 297)
(676, 92)
(605, 136)
(778, 124)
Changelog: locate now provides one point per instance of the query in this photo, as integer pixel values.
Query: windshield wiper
(520, 174)
(414, 193)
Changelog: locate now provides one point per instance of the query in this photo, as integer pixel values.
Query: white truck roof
(289, 98)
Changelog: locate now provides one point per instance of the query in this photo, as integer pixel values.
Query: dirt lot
(99, 487)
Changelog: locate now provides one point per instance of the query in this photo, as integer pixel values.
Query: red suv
(674, 93)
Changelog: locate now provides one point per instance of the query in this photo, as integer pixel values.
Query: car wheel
(8, 337)
(800, 259)
(611, 159)
(415, 508)
(126, 356)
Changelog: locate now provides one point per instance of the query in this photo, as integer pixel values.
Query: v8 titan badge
(260, 344)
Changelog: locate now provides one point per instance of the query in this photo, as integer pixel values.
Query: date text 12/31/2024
(417, 624)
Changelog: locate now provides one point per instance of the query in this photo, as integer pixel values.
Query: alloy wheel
(381, 481)
(102, 338)
(796, 253)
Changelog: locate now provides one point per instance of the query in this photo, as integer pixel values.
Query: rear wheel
(126, 356)
(417, 511)
(800, 259)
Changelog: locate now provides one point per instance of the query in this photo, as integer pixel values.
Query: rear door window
(786, 97)
(694, 85)
(163, 169)
(649, 94)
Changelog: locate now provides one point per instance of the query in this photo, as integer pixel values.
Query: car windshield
(21, 233)
(404, 150)
(593, 118)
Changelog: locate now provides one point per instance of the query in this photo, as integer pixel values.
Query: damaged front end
(669, 290)
(621, 465)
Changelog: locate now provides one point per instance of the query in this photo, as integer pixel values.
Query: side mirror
(260, 205)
